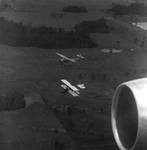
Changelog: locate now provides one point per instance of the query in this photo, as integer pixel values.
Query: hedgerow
(12, 101)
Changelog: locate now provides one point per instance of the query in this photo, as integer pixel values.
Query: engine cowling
(129, 115)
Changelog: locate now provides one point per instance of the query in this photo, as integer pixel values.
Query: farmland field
(33, 70)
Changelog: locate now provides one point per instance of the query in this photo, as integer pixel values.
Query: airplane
(80, 55)
(70, 88)
(66, 59)
(111, 50)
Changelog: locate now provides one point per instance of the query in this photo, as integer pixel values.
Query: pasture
(34, 70)
(31, 128)
(39, 13)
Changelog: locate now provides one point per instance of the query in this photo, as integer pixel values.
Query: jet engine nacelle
(129, 115)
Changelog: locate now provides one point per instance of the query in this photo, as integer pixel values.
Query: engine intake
(129, 115)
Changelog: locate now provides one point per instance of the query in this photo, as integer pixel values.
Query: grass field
(32, 70)
(38, 13)
(31, 128)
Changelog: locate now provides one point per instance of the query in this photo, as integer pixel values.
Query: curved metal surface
(129, 115)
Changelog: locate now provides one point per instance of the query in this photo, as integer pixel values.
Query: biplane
(73, 90)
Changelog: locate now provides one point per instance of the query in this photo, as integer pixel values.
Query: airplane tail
(82, 86)
(80, 55)
(129, 115)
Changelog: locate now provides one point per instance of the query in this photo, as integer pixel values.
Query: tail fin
(82, 86)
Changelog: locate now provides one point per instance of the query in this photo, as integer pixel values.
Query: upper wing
(61, 55)
(73, 60)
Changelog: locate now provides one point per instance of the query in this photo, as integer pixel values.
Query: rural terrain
(37, 73)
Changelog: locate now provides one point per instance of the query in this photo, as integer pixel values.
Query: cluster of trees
(74, 9)
(12, 101)
(86, 27)
(134, 8)
(17, 34)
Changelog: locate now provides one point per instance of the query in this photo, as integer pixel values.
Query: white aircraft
(110, 50)
(80, 55)
(66, 59)
(70, 88)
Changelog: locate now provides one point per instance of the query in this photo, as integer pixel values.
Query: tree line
(12, 101)
(74, 9)
(134, 8)
(86, 27)
(19, 35)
